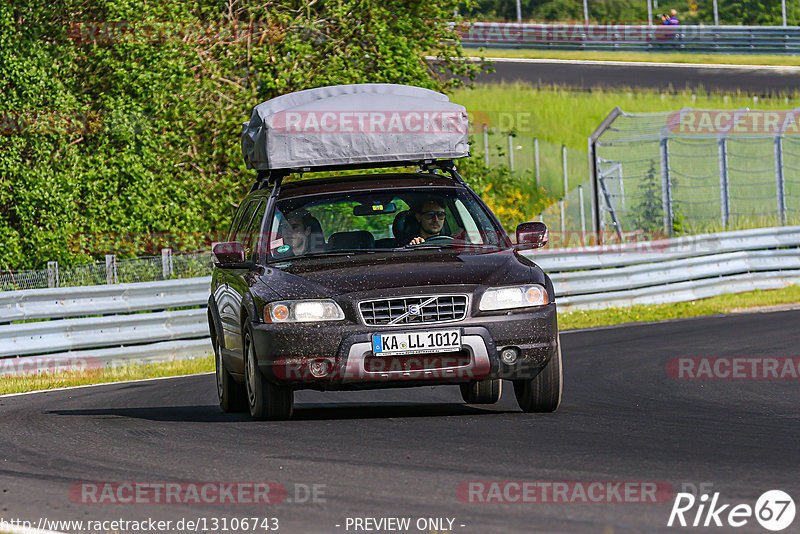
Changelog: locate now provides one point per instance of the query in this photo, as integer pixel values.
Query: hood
(334, 275)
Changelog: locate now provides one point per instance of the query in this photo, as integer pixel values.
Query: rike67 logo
(774, 510)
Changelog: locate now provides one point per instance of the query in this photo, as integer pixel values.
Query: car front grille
(430, 309)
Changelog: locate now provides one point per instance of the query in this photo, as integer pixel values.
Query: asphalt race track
(672, 77)
(403, 453)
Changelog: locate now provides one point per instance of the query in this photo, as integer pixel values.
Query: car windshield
(367, 221)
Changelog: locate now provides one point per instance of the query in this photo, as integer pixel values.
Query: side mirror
(229, 252)
(532, 235)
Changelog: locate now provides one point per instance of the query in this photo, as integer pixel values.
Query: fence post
(563, 220)
(666, 187)
(779, 181)
(486, 144)
(564, 165)
(52, 274)
(724, 193)
(583, 215)
(166, 263)
(111, 269)
(511, 152)
(536, 161)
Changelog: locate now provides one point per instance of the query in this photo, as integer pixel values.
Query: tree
(124, 136)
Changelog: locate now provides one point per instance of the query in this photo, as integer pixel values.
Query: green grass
(661, 57)
(567, 321)
(19, 384)
(563, 116)
(722, 304)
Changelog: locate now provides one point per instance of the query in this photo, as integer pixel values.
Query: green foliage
(558, 10)
(114, 140)
(649, 211)
(755, 12)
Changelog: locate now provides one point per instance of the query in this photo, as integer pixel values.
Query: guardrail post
(111, 269)
(486, 144)
(783, 12)
(583, 215)
(666, 187)
(511, 152)
(564, 165)
(779, 180)
(724, 190)
(52, 274)
(536, 161)
(166, 263)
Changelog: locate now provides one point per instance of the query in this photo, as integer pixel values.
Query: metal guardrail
(65, 302)
(598, 257)
(673, 270)
(142, 328)
(633, 37)
(75, 328)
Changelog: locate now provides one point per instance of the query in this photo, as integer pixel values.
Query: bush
(113, 135)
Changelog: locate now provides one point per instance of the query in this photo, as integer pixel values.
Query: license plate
(397, 344)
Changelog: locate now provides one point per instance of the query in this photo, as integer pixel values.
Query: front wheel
(232, 396)
(543, 392)
(482, 391)
(266, 400)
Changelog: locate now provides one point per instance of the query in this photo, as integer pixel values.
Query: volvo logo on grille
(413, 309)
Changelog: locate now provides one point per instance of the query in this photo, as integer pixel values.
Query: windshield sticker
(283, 248)
(277, 243)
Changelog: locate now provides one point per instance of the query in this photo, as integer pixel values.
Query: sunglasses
(431, 214)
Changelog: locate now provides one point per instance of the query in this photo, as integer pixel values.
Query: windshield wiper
(340, 252)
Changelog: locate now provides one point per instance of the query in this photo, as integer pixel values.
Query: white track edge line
(65, 388)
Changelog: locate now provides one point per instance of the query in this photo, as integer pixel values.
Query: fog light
(319, 368)
(509, 355)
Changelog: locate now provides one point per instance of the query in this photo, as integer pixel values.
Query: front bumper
(285, 352)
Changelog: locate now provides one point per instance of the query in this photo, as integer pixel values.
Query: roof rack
(273, 177)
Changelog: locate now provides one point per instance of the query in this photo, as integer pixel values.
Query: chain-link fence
(534, 162)
(112, 271)
(698, 171)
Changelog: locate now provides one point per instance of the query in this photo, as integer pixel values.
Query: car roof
(364, 182)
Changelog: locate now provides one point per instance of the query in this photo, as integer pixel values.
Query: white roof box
(354, 125)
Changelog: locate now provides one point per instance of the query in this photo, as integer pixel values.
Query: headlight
(302, 311)
(504, 298)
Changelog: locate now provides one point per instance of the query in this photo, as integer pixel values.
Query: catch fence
(695, 171)
(111, 271)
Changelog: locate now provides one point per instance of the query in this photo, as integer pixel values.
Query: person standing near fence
(671, 19)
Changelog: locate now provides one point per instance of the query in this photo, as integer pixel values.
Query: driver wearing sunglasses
(430, 215)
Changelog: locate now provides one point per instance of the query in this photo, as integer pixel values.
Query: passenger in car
(302, 233)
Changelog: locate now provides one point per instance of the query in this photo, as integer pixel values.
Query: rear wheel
(232, 395)
(482, 391)
(543, 392)
(266, 400)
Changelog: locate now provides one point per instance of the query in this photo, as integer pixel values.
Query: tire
(543, 392)
(482, 391)
(267, 402)
(232, 395)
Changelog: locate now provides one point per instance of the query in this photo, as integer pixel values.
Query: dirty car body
(378, 280)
